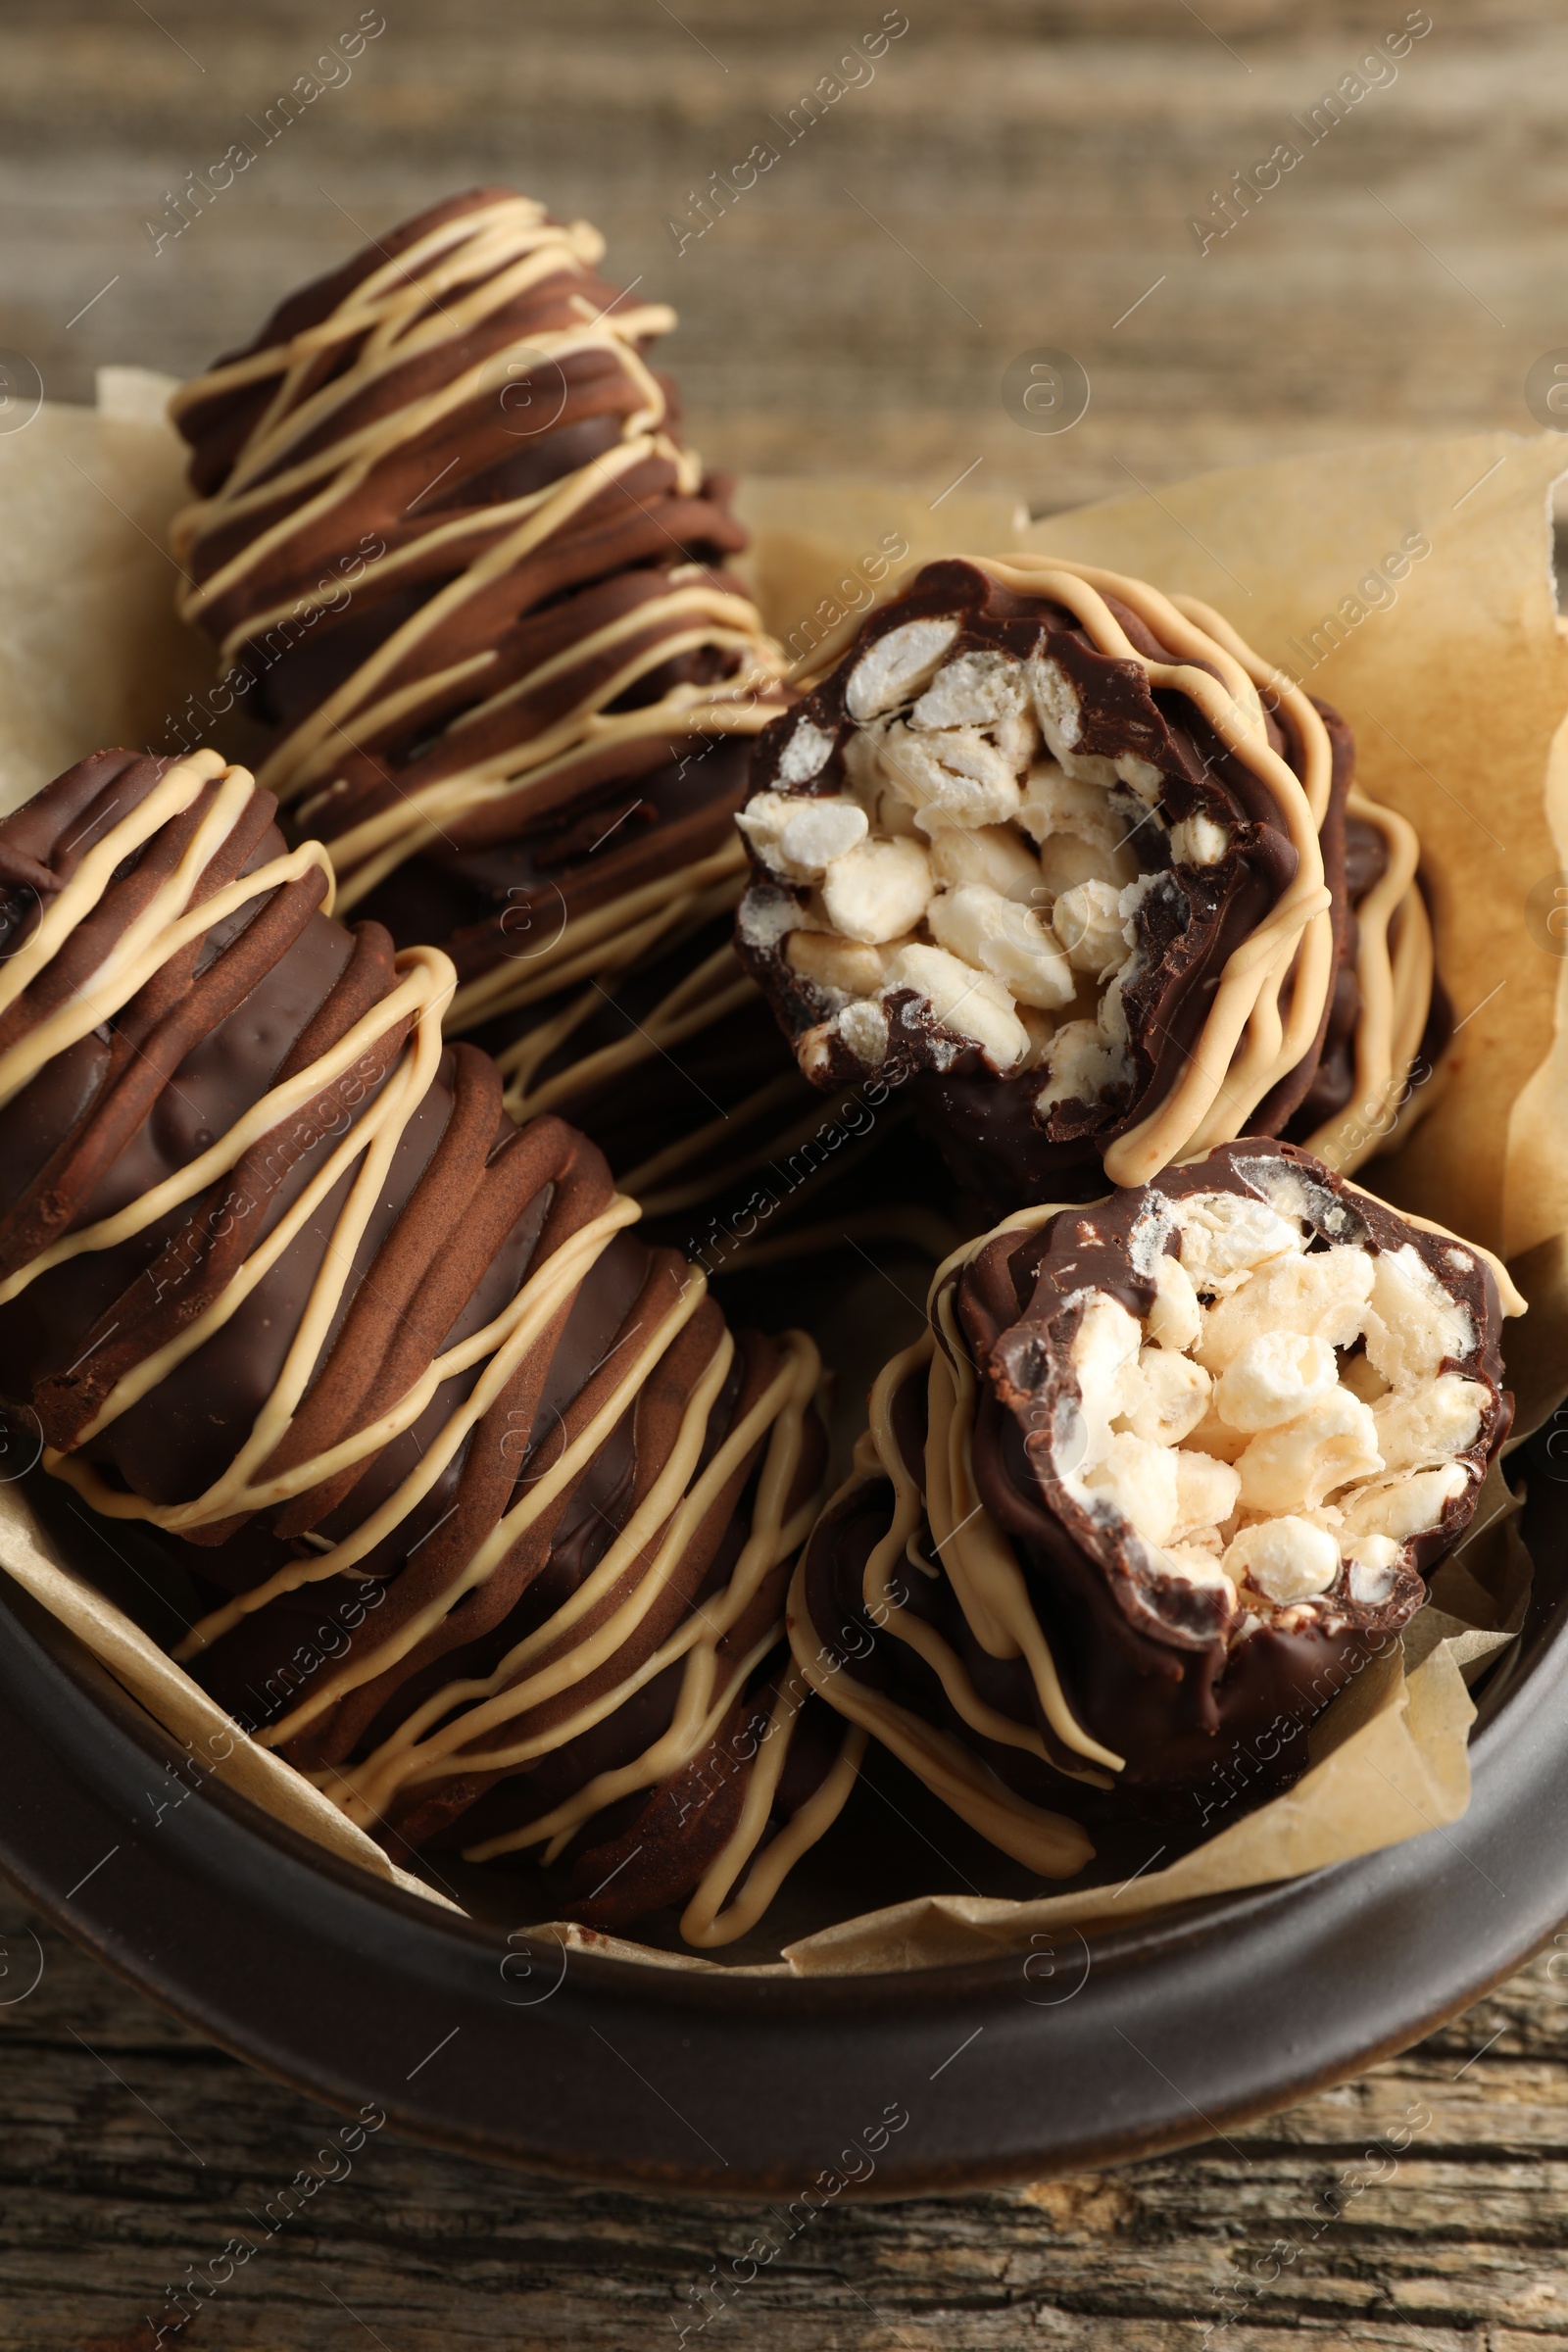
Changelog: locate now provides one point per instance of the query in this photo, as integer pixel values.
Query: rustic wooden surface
(1016, 175)
(1418, 2210)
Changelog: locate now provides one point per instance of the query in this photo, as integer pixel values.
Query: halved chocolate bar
(1167, 1472)
(1071, 858)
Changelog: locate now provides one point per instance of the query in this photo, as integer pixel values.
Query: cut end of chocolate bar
(1255, 1400)
(1176, 1466)
(1016, 846)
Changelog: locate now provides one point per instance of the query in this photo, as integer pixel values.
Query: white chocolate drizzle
(1329, 1467)
(470, 1726)
(443, 287)
(998, 976)
(1395, 966)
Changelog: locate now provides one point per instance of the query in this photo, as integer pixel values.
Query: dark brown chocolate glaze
(1366, 862)
(470, 1206)
(987, 1126)
(738, 1149)
(1334, 1081)
(502, 879)
(1144, 1664)
(608, 821)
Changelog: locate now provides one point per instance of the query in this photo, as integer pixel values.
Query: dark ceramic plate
(1166, 2032)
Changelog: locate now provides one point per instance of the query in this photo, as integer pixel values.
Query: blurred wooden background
(1017, 175)
(1006, 175)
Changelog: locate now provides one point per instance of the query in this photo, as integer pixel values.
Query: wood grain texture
(1421, 2209)
(1017, 174)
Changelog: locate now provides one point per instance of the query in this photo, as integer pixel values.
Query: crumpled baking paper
(1451, 665)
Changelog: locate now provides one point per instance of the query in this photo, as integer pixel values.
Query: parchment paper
(1457, 688)
(217, 1744)
(91, 653)
(1456, 681)
(823, 550)
(1388, 1759)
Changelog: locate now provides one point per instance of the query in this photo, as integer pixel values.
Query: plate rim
(68, 1731)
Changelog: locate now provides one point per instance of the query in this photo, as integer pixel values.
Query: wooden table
(1420, 2209)
(1012, 176)
(1019, 174)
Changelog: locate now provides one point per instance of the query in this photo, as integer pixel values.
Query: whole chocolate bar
(448, 533)
(1168, 1470)
(459, 565)
(491, 1514)
(1073, 855)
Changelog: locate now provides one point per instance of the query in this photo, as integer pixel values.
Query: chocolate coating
(470, 1218)
(1009, 1140)
(1194, 1694)
(509, 607)
(524, 380)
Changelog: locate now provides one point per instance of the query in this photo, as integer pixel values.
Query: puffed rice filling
(1277, 1426)
(975, 859)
